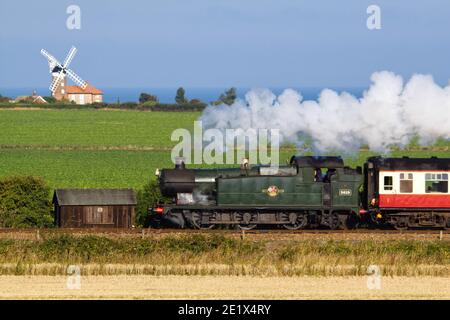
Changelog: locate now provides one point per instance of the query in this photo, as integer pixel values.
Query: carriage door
(388, 190)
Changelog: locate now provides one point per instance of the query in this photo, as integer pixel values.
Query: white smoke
(389, 114)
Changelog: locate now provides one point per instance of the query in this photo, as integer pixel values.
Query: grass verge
(220, 255)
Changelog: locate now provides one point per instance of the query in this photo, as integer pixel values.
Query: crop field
(86, 168)
(99, 148)
(90, 128)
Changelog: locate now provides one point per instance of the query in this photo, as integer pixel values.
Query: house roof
(86, 197)
(39, 99)
(78, 90)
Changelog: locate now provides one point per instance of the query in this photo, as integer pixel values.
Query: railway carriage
(409, 192)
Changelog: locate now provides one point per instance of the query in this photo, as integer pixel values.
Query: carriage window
(436, 182)
(406, 183)
(388, 183)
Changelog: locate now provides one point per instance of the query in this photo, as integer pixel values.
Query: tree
(180, 98)
(145, 97)
(228, 97)
(24, 202)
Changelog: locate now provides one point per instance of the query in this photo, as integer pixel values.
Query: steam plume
(389, 113)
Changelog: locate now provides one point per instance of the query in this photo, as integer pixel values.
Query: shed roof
(86, 197)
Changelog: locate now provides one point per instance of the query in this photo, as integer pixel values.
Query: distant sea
(167, 95)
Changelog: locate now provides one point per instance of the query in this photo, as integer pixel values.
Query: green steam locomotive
(309, 192)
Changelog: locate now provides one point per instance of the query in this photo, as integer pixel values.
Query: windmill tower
(60, 72)
(59, 91)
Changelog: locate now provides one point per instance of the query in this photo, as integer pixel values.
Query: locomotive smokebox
(173, 181)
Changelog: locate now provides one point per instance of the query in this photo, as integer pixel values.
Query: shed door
(98, 215)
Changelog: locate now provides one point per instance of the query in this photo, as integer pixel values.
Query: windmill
(60, 71)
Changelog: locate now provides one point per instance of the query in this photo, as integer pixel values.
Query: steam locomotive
(309, 192)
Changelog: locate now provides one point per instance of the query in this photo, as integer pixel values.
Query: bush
(99, 105)
(149, 104)
(50, 99)
(128, 105)
(24, 202)
(147, 198)
(178, 107)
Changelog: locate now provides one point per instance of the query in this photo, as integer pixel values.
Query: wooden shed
(94, 208)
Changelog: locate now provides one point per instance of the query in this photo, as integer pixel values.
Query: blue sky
(220, 43)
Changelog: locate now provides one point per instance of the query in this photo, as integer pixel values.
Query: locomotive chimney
(180, 163)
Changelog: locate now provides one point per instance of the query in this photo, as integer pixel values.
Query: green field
(91, 128)
(89, 148)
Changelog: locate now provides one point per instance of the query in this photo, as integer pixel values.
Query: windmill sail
(50, 58)
(70, 56)
(76, 78)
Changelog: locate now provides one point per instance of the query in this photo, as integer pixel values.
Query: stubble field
(223, 287)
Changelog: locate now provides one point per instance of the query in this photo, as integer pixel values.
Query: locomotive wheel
(297, 220)
(335, 222)
(331, 220)
(245, 218)
(197, 221)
